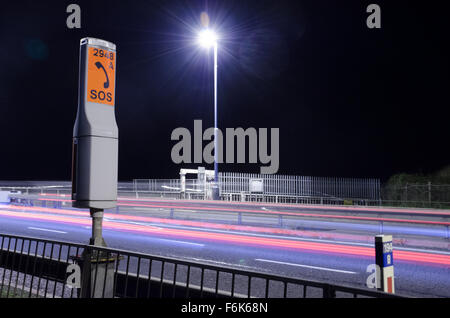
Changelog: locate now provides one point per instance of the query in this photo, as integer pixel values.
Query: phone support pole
(97, 227)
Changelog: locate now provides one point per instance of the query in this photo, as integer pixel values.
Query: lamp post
(208, 38)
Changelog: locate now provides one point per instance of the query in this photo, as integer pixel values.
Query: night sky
(349, 101)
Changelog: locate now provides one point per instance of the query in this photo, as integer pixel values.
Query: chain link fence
(417, 195)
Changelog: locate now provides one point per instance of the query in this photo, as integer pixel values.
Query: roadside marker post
(95, 156)
(385, 263)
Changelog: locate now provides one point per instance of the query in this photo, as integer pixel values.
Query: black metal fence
(32, 267)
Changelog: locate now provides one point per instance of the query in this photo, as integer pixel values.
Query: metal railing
(276, 189)
(365, 188)
(33, 267)
(170, 188)
(299, 186)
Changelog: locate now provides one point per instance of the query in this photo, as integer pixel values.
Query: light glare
(207, 38)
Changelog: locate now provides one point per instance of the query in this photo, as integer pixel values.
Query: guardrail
(32, 267)
(240, 197)
(378, 223)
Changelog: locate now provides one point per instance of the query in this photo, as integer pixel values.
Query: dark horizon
(349, 101)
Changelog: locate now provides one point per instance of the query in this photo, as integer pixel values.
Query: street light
(206, 39)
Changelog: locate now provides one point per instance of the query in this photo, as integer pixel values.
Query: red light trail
(349, 250)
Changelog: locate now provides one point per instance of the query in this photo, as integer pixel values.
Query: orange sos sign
(101, 76)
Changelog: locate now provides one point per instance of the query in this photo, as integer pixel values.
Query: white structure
(4, 197)
(203, 177)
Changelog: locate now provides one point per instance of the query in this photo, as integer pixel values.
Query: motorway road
(340, 256)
